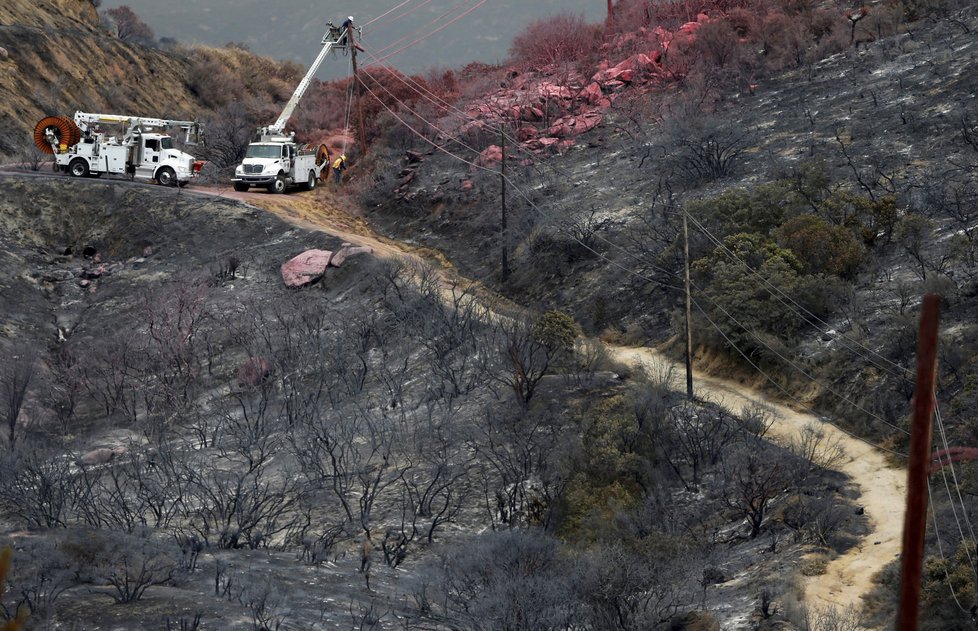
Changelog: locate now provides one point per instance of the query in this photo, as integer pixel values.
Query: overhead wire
(429, 96)
(799, 368)
(939, 422)
(903, 374)
(807, 316)
(790, 302)
(940, 548)
(781, 387)
(387, 55)
(735, 320)
(627, 270)
(437, 30)
(399, 17)
(425, 93)
(507, 179)
(385, 13)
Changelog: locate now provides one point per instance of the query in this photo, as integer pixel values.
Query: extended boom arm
(330, 39)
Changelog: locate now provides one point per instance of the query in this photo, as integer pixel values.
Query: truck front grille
(253, 169)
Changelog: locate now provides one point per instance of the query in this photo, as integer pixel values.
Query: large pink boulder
(306, 268)
(348, 251)
(99, 456)
(591, 94)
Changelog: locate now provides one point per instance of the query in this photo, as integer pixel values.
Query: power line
(789, 302)
(386, 13)
(397, 18)
(509, 181)
(437, 30)
(436, 100)
(779, 293)
(781, 387)
(940, 548)
(943, 438)
(903, 374)
(623, 268)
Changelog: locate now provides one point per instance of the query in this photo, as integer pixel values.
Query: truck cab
(156, 159)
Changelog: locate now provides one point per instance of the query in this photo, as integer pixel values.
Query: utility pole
(915, 521)
(689, 312)
(361, 134)
(502, 181)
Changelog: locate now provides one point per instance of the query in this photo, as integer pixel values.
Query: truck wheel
(166, 177)
(241, 187)
(78, 168)
(311, 182)
(277, 185)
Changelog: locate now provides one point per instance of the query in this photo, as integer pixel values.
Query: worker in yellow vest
(339, 165)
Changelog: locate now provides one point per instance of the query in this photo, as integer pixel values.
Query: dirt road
(317, 210)
(882, 487)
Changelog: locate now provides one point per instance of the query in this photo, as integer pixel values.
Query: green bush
(741, 304)
(821, 246)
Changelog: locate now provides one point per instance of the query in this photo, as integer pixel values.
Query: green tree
(752, 299)
(821, 246)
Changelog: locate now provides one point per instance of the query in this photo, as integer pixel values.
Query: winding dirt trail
(882, 487)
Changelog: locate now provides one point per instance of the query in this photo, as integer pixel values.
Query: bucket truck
(83, 148)
(274, 161)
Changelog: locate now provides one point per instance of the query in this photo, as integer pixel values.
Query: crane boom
(330, 39)
(191, 128)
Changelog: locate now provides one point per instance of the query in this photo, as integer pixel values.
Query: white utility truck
(274, 161)
(136, 147)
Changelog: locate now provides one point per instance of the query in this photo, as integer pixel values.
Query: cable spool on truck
(274, 161)
(82, 148)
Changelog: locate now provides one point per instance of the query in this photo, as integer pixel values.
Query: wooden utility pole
(689, 313)
(361, 133)
(915, 521)
(502, 181)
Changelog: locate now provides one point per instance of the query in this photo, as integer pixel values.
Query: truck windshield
(264, 151)
(166, 142)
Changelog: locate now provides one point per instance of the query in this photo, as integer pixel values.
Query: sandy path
(317, 211)
(882, 488)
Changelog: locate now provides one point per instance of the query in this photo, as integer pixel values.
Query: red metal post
(915, 521)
